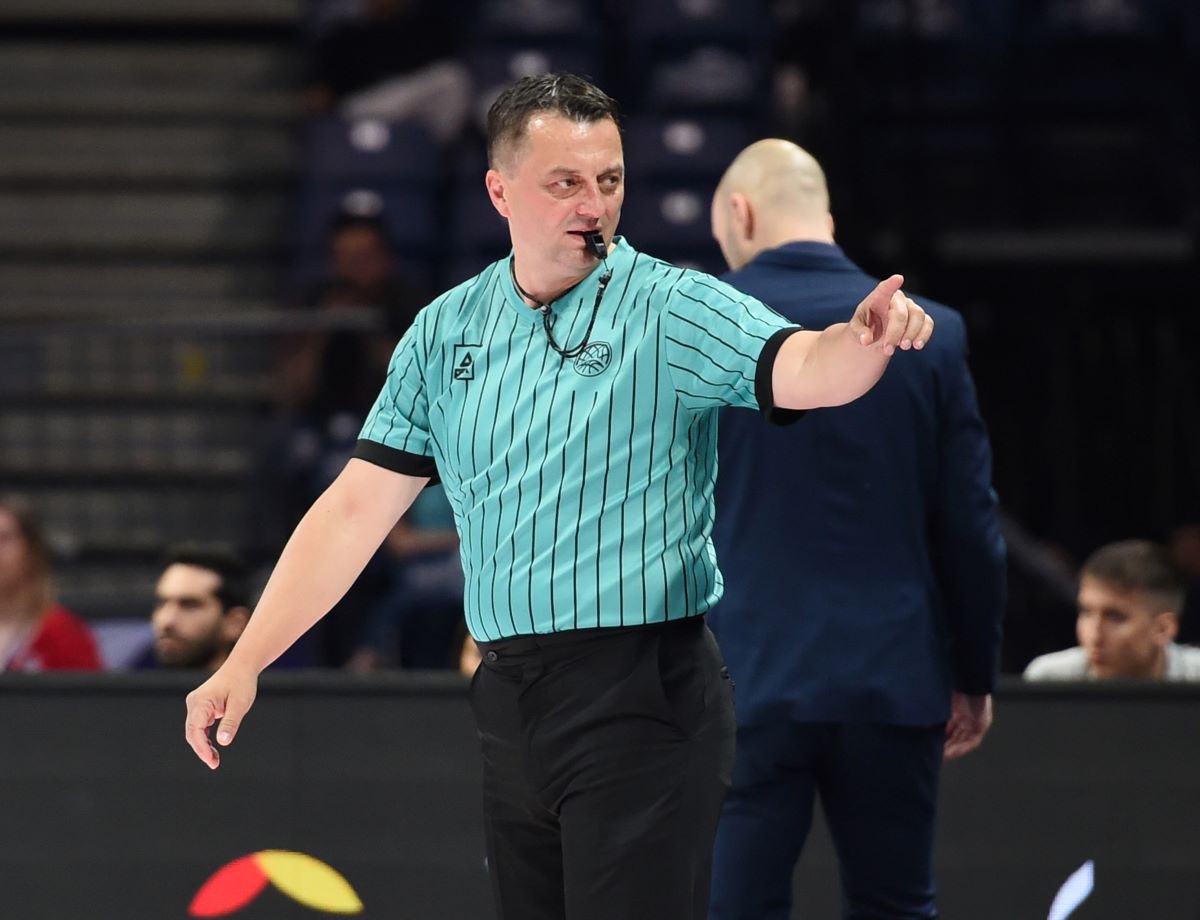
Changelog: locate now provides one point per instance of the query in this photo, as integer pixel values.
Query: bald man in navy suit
(855, 679)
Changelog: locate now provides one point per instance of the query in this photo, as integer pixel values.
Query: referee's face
(566, 177)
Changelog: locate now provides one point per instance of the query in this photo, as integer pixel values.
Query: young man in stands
(202, 604)
(1130, 596)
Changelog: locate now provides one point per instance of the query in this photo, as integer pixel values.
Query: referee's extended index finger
(873, 312)
(882, 295)
(201, 714)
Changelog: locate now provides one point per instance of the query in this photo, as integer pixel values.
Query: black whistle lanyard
(547, 320)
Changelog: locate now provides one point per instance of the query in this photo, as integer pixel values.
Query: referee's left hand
(227, 695)
(888, 319)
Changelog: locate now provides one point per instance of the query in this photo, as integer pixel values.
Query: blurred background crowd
(217, 218)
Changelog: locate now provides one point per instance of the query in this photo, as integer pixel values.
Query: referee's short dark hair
(562, 93)
(1141, 566)
(234, 588)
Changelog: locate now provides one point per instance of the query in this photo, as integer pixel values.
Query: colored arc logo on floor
(302, 878)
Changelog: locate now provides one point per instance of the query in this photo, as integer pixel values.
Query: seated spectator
(1184, 548)
(1130, 596)
(396, 63)
(328, 371)
(36, 632)
(326, 379)
(362, 265)
(202, 604)
(1041, 597)
(418, 622)
(325, 383)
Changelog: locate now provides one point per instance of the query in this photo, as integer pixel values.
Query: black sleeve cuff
(763, 389)
(398, 461)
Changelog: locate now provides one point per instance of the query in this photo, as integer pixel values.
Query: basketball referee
(567, 398)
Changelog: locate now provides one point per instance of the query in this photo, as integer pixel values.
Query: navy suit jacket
(862, 558)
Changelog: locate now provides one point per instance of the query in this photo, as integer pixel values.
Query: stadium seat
(562, 22)
(475, 227)
(370, 150)
(672, 223)
(683, 148)
(495, 67)
(664, 25)
(409, 213)
(706, 78)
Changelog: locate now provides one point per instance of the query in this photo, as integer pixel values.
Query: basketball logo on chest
(594, 359)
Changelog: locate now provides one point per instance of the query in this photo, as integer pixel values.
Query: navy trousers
(878, 790)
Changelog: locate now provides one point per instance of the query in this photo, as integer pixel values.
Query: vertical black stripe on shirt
(429, 330)
(441, 309)
(557, 509)
(683, 510)
(707, 424)
(512, 433)
(666, 510)
(466, 483)
(616, 313)
(587, 432)
(704, 481)
(604, 499)
(533, 332)
(396, 407)
(454, 440)
(690, 576)
(700, 478)
(452, 475)
(633, 410)
(478, 523)
(373, 416)
(438, 410)
(649, 472)
(628, 480)
(557, 370)
(500, 494)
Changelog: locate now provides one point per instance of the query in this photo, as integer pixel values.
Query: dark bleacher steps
(148, 155)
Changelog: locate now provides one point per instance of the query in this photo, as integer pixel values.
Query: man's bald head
(773, 192)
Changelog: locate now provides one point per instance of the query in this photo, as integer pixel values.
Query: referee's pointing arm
(833, 367)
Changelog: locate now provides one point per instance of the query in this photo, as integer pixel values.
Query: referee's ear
(496, 191)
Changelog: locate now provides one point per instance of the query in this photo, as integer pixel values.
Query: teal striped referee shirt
(582, 487)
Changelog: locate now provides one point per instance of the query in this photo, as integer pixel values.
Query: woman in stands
(36, 632)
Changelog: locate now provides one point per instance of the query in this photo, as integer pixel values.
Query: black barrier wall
(106, 815)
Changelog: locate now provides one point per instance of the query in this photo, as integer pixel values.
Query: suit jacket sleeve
(967, 546)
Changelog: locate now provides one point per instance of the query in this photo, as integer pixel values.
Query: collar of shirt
(584, 292)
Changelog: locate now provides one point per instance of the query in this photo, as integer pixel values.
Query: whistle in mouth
(595, 242)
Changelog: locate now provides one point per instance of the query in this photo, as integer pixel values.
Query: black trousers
(878, 788)
(607, 754)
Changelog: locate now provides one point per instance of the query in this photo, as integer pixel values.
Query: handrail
(250, 322)
(424, 683)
